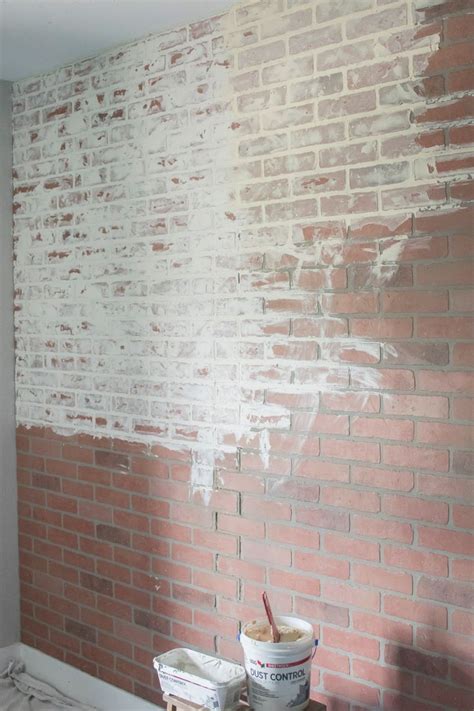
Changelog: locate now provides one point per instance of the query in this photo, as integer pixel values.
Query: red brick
(46, 447)
(385, 379)
(415, 508)
(380, 626)
(463, 569)
(437, 640)
(445, 381)
(64, 572)
(194, 637)
(445, 539)
(412, 353)
(417, 611)
(192, 556)
(268, 510)
(459, 135)
(462, 300)
(127, 482)
(321, 565)
(343, 592)
(319, 423)
(355, 402)
(458, 220)
(359, 692)
(323, 518)
(352, 548)
(382, 478)
(429, 563)
(447, 591)
(463, 354)
(415, 301)
(150, 467)
(382, 528)
(345, 449)
(416, 405)
(112, 460)
(221, 543)
(451, 57)
(28, 461)
(416, 661)
(78, 454)
(458, 81)
(350, 499)
(382, 428)
(463, 516)
(113, 534)
(110, 496)
(463, 462)
(452, 111)
(415, 457)
(350, 641)
(382, 328)
(449, 274)
(449, 327)
(350, 303)
(333, 660)
(383, 676)
(265, 552)
(461, 245)
(462, 674)
(454, 487)
(94, 476)
(444, 693)
(244, 569)
(306, 585)
(381, 578)
(462, 622)
(315, 610)
(293, 535)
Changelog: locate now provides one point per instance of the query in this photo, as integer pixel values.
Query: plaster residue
(171, 262)
(387, 262)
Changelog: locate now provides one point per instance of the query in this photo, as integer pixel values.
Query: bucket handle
(315, 647)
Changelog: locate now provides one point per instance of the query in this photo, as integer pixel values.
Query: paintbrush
(271, 619)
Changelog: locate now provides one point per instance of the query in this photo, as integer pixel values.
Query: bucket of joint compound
(278, 674)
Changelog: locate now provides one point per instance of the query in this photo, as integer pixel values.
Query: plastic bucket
(279, 675)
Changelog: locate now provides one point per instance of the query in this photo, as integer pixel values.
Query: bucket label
(275, 685)
(268, 665)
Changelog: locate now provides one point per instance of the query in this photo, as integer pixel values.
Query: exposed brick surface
(243, 343)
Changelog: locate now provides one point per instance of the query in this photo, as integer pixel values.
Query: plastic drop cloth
(21, 692)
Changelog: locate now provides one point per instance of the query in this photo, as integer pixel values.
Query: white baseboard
(73, 682)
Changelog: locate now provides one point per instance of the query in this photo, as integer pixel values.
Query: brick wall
(243, 356)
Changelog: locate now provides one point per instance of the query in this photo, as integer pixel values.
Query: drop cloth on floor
(21, 692)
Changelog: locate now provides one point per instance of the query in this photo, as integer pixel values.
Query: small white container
(200, 678)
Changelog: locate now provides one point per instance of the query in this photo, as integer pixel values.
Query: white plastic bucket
(279, 675)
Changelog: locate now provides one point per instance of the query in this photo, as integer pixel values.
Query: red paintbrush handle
(271, 619)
